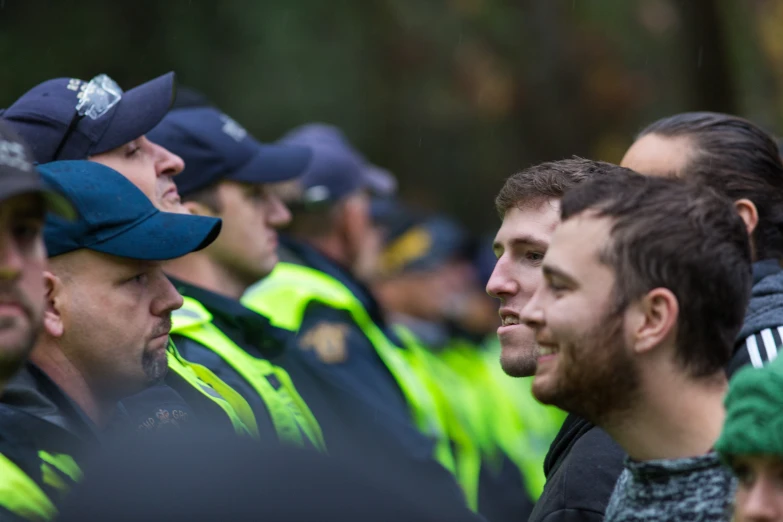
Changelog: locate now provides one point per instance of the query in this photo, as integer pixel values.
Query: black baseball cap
(215, 147)
(416, 242)
(72, 119)
(19, 176)
(337, 169)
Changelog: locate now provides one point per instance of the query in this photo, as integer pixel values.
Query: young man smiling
(583, 462)
(646, 283)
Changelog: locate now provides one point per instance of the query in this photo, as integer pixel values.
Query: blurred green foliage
(451, 95)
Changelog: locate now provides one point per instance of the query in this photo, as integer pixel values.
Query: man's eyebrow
(551, 271)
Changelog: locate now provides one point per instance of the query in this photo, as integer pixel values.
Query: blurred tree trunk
(708, 82)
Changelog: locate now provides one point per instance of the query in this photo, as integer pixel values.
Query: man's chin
(544, 391)
(518, 362)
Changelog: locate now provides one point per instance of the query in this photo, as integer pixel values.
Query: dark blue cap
(337, 169)
(416, 243)
(18, 175)
(215, 148)
(47, 118)
(116, 218)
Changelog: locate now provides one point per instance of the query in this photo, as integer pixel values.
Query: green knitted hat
(754, 412)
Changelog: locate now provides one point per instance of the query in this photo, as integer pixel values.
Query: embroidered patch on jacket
(328, 340)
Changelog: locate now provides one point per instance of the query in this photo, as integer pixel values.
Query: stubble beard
(599, 379)
(13, 357)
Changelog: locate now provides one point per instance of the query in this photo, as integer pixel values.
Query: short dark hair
(666, 233)
(738, 159)
(547, 180)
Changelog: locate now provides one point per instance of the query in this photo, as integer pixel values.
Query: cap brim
(274, 163)
(138, 112)
(379, 181)
(162, 236)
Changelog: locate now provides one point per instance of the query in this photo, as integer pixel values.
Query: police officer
(230, 175)
(317, 291)
(37, 463)
(106, 326)
(67, 118)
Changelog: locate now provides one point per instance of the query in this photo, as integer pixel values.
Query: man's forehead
(580, 236)
(535, 219)
(654, 155)
(103, 263)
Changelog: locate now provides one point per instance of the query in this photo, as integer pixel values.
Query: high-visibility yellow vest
(20, 494)
(212, 388)
(450, 393)
(283, 297)
(290, 415)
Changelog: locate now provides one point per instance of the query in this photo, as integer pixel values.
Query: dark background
(451, 95)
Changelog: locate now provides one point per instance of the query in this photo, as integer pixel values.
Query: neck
(48, 356)
(199, 270)
(678, 417)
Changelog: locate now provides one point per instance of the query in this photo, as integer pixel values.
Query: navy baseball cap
(215, 148)
(18, 175)
(116, 218)
(337, 169)
(70, 119)
(415, 243)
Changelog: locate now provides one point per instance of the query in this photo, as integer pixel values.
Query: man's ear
(654, 318)
(55, 304)
(749, 214)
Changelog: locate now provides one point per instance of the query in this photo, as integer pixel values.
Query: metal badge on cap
(101, 94)
(12, 154)
(96, 98)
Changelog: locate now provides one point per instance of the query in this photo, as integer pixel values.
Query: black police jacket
(43, 420)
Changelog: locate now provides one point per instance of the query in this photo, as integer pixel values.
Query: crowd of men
(197, 325)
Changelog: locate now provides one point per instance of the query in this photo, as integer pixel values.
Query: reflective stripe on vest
(283, 297)
(56, 465)
(290, 415)
(213, 388)
(20, 494)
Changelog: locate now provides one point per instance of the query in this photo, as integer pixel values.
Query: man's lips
(547, 349)
(508, 317)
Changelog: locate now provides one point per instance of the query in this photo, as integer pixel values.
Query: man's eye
(26, 232)
(138, 279)
(132, 149)
(744, 474)
(554, 286)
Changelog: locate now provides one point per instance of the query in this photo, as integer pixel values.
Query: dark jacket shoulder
(582, 468)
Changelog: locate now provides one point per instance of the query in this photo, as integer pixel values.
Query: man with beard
(741, 161)
(108, 303)
(583, 462)
(31, 450)
(72, 119)
(645, 286)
